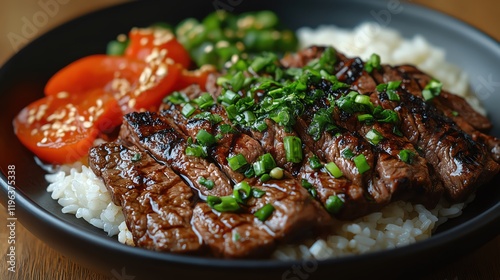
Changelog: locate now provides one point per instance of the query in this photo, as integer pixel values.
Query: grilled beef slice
(295, 211)
(156, 203)
(461, 163)
(161, 138)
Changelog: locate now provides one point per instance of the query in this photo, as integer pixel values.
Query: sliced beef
(160, 137)
(294, 207)
(232, 235)
(156, 203)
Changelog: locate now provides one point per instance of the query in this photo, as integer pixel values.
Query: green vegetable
(176, 98)
(242, 192)
(209, 184)
(432, 89)
(361, 163)
(372, 63)
(315, 163)
(188, 110)
(204, 101)
(236, 162)
(334, 170)
(136, 157)
(257, 193)
(204, 138)
(263, 213)
(374, 136)
(223, 204)
(406, 156)
(117, 47)
(276, 173)
(347, 153)
(309, 187)
(333, 204)
(293, 149)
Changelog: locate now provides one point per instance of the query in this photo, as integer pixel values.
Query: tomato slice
(136, 85)
(94, 71)
(198, 77)
(61, 128)
(151, 42)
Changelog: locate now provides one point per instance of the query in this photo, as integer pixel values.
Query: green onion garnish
(374, 136)
(263, 213)
(372, 63)
(361, 163)
(432, 89)
(293, 149)
(333, 204)
(237, 81)
(309, 187)
(212, 118)
(334, 170)
(209, 184)
(229, 97)
(204, 138)
(204, 101)
(314, 162)
(265, 177)
(242, 192)
(196, 150)
(406, 156)
(365, 118)
(237, 161)
(347, 153)
(176, 98)
(276, 173)
(188, 110)
(223, 204)
(257, 193)
(362, 99)
(136, 157)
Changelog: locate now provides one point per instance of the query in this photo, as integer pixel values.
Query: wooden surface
(38, 261)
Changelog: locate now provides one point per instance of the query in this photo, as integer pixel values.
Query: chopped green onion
(362, 99)
(257, 193)
(393, 84)
(204, 138)
(333, 204)
(226, 128)
(374, 136)
(229, 97)
(361, 163)
(263, 213)
(372, 63)
(293, 149)
(406, 156)
(188, 110)
(237, 81)
(392, 95)
(237, 161)
(265, 177)
(315, 163)
(176, 98)
(249, 172)
(136, 157)
(454, 113)
(116, 47)
(260, 126)
(259, 168)
(236, 236)
(276, 173)
(322, 121)
(212, 118)
(334, 170)
(432, 89)
(204, 101)
(223, 204)
(242, 192)
(309, 187)
(196, 150)
(209, 184)
(249, 116)
(397, 131)
(365, 118)
(347, 153)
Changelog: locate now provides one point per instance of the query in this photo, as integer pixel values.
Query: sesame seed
(31, 119)
(99, 102)
(87, 124)
(131, 103)
(45, 126)
(162, 71)
(44, 140)
(62, 95)
(144, 41)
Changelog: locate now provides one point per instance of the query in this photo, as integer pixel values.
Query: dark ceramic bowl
(23, 77)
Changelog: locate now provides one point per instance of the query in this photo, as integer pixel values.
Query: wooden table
(482, 264)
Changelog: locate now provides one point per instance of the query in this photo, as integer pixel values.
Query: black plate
(23, 77)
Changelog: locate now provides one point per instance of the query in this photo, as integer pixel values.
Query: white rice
(84, 195)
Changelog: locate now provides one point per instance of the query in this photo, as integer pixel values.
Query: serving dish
(22, 79)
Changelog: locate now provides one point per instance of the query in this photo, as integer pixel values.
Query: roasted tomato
(147, 42)
(61, 128)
